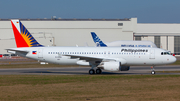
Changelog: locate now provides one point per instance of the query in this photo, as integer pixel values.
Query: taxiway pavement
(134, 70)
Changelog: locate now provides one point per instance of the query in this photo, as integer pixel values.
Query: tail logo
(28, 37)
(22, 36)
(97, 40)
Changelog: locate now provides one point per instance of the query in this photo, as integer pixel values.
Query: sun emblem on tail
(27, 36)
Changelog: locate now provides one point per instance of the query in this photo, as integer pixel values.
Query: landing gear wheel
(91, 71)
(153, 72)
(98, 71)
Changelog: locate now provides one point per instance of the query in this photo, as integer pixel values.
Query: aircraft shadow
(75, 73)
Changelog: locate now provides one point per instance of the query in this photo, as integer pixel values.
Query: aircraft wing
(101, 59)
(87, 58)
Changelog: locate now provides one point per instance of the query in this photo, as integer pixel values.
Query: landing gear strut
(94, 65)
(153, 71)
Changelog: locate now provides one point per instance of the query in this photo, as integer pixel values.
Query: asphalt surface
(134, 70)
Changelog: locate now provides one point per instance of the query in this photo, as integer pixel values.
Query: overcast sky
(146, 11)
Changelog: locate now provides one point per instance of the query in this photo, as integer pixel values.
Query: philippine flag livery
(22, 36)
(34, 52)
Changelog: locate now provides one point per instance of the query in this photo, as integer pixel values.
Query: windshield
(165, 53)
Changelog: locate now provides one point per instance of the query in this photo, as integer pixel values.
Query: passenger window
(161, 53)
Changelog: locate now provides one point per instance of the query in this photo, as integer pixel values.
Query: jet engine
(114, 66)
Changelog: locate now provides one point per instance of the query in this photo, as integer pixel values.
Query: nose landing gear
(153, 71)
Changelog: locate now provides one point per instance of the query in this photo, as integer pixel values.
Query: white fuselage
(128, 56)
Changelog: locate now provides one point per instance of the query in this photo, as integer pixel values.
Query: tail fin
(97, 40)
(22, 36)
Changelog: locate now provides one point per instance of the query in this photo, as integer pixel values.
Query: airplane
(122, 43)
(106, 58)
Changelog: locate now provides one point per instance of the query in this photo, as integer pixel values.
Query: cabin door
(152, 54)
(40, 53)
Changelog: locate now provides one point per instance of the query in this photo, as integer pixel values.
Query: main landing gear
(94, 65)
(92, 71)
(153, 71)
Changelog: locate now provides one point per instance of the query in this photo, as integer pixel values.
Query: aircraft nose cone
(173, 59)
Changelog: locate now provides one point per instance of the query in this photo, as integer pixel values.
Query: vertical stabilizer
(97, 40)
(22, 36)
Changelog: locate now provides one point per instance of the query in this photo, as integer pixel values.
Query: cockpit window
(161, 53)
(165, 53)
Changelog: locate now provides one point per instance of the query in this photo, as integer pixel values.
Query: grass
(90, 87)
(87, 87)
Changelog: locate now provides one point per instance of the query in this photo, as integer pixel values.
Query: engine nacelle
(115, 66)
